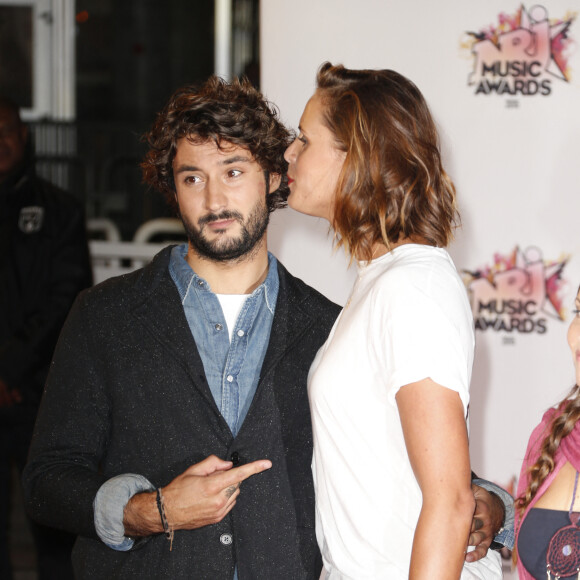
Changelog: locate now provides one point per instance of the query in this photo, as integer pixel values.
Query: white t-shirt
(231, 307)
(408, 318)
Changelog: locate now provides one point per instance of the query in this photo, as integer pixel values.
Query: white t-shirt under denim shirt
(408, 318)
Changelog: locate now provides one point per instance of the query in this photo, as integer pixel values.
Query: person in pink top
(548, 502)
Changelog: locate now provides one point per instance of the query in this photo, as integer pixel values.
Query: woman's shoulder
(425, 268)
(539, 433)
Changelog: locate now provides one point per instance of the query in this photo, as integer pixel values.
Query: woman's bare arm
(436, 438)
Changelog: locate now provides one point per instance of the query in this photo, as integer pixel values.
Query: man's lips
(220, 221)
(221, 224)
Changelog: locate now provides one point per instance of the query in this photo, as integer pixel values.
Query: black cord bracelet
(167, 529)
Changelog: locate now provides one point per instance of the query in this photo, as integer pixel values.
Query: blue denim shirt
(232, 371)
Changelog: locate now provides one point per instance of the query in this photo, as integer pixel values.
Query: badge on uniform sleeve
(31, 218)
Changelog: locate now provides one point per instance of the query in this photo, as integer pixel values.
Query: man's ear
(275, 180)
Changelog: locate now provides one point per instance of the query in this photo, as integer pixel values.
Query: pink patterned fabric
(569, 450)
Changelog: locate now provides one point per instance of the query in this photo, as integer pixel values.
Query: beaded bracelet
(167, 529)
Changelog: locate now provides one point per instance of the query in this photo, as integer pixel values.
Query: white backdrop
(515, 160)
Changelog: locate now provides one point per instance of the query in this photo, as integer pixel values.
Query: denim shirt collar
(186, 279)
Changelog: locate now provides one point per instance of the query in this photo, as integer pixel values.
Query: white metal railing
(116, 258)
(157, 228)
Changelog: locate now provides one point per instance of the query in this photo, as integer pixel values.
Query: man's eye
(302, 139)
(191, 179)
(234, 173)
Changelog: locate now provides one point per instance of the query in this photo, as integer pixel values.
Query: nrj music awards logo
(522, 54)
(519, 293)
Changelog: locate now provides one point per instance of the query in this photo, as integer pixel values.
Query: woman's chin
(294, 204)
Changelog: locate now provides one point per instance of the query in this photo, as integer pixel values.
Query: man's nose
(215, 198)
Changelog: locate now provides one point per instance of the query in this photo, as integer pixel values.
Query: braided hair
(560, 427)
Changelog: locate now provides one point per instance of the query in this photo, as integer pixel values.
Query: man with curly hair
(173, 385)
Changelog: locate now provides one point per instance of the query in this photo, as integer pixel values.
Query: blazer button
(235, 458)
(226, 539)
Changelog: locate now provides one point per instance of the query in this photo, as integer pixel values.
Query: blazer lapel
(162, 315)
(291, 321)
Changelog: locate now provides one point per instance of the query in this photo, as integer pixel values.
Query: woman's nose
(290, 154)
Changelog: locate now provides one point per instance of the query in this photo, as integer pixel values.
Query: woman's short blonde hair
(392, 185)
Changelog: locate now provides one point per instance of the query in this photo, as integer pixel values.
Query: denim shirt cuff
(506, 536)
(109, 506)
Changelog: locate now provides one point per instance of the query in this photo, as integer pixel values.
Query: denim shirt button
(219, 326)
(230, 379)
(240, 333)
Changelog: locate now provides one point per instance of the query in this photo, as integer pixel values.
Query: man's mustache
(224, 215)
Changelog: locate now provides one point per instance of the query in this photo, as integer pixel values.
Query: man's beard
(224, 249)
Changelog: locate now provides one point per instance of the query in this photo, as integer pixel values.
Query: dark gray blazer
(127, 393)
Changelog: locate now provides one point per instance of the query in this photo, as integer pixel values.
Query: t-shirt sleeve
(426, 332)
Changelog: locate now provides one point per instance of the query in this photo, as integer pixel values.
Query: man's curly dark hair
(222, 112)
